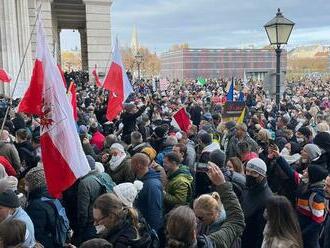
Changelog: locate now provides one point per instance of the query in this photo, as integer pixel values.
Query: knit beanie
(257, 165)
(118, 147)
(91, 162)
(127, 192)
(313, 151)
(8, 183)
(322, 139)
(316, 173)
(35, 178)
(218, 157)
(99, 167)
(150, 152)
(9, 199)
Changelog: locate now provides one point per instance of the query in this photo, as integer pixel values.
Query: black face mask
(251, 182)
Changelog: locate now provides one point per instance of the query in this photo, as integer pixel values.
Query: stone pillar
(24, 33)
(58, 45)
(9, 57)
(98, 27)
(84, 51)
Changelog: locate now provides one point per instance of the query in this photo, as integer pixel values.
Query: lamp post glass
(278, 31)
(139, 60)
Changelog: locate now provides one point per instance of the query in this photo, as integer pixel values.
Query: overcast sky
(213, 23)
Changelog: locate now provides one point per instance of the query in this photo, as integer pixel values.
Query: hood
(183, 170)
(211, 147)
(151, 174)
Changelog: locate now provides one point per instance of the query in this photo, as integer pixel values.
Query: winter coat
(21, 215)
(232, 149)
(123, 173)
(125, 235)
(161, 155)
(163, 177)
(129, 120)
(179, 188)
(27, 154)
(137, 148)
(8, 167)
(43, 216)
(190, 156)
(276, 242)
(253, 205)
(10, 152)
(150, 199)
(326, 232)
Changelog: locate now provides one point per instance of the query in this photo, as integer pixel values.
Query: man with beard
(254, 200)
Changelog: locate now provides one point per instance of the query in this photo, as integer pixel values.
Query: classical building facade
(17, 21)
(190, 63)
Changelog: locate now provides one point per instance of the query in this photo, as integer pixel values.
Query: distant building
(190, 63)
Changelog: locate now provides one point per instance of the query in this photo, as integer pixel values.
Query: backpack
(106, 187)
(62, 226)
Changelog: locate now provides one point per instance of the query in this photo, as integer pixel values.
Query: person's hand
(105, 157)
(215, 174)
(274, 150)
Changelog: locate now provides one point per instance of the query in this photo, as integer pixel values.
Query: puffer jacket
(123, 173)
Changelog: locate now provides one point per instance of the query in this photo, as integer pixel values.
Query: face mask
(300, 140)
(114, 159)
(251, 182)
(99, 228)
(285, 152)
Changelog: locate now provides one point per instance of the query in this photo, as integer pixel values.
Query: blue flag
(230, 94)
(241, 97)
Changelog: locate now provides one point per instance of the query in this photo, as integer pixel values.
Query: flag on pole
(230, 94)
(201, 81)
(181, 120)
(96, 77)
(4, 76)
(116, 81)
(72, 93)
(163, 84)
(245, 81)
(63, 158)
(240, 119)
(241, 97)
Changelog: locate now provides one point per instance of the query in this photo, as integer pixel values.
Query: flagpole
(20, 69)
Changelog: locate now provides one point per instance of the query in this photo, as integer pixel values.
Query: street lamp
(278, 31)
(139, 60)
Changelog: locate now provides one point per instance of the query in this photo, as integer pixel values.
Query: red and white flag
(72, 93)
(163, 84)
(117, 83)
(96, 78)
(181, 120)
(62, 155)
(4, 76)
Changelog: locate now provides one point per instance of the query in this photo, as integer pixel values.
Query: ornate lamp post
(278, 31)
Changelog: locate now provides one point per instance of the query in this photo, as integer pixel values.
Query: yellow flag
(241, 117)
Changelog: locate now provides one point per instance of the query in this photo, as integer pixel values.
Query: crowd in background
(261, 183)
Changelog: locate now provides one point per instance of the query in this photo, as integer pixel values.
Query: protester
(12, 233)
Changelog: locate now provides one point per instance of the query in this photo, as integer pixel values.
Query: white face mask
(285, 152)
(300, 140)
(99, 228)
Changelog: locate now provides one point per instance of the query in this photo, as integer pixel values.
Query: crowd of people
(261, 183)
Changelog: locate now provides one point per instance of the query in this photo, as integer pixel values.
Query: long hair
(180, 228)
(282, 220)
(12, 233)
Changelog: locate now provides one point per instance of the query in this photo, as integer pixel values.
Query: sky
(212, 23)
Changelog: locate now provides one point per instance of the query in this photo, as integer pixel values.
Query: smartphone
(202, 167)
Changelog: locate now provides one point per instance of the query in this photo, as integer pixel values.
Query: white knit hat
(9, 182)
(257, 165)
(127, 192)
(118, 147)
(99, 167)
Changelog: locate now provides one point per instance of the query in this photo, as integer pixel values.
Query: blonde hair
(208, 203)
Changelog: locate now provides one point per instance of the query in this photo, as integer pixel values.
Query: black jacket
(253, 205)
(129, 120)
(43, 216)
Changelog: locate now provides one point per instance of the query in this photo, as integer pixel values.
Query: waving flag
(201, 81)
(72, 93)
(181, 119)
(4, 76)
(230, 94)
(118, 84)
(62, 155)
(240, 119)
(96, 77)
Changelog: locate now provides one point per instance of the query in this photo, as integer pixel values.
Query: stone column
(8, 42)
(24, 33)
(98, 28)
(84, 51)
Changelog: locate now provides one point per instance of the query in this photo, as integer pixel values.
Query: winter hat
(313, 151)
(305, 131)
(218, 157)
(8, 183)
(99, 167)
(257, 165)
(316, 173)
(35, 178)
(91, 162)
(117, 146)
(127, 192)
(323, 140)
(9, 199)
(82, 129)
(161, 131)
(150, 152)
